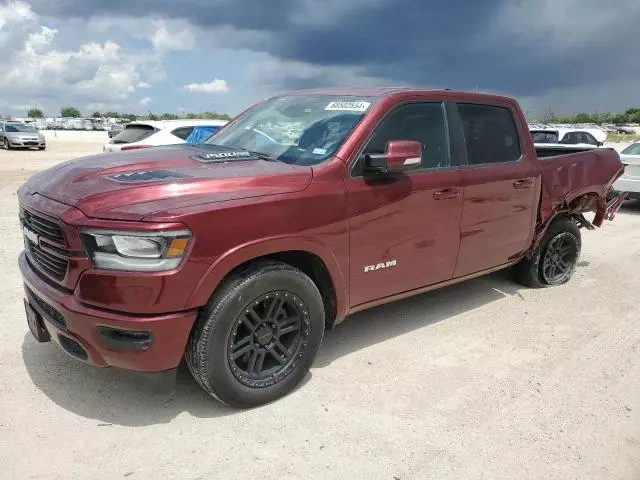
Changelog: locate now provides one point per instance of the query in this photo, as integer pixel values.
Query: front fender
(235, 257)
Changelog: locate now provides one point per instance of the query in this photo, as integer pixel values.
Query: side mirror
(600, 144)
(400, 156)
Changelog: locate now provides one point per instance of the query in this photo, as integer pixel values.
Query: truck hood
(139, 183)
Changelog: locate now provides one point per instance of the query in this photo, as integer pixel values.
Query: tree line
(73, 112)
(631, 115)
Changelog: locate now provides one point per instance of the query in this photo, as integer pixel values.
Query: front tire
(554, 260)
(6, 144)
(258, 336)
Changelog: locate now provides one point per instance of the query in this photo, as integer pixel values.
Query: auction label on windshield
(348, 106)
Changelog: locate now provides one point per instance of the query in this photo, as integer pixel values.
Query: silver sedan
(20, 135)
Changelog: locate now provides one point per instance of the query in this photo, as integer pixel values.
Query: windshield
(544, 136)
(632, 149)
(20, 128)
(296, 129)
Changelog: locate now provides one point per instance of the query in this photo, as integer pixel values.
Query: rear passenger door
(499, 207)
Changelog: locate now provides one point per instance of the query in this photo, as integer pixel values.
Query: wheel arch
(308, 255)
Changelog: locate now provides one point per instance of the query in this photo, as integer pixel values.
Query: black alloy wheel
(266, 339)
(560, 258)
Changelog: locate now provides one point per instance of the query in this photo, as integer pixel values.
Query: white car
(630, 180)
(566, 136)
(152, 133)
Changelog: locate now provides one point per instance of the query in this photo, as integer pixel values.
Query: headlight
(134, 251)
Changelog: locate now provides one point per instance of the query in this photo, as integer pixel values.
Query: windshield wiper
(263, 156)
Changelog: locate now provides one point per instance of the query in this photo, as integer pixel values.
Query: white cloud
(145, 101)
(172, 35)
(217, 86)
(36, 70)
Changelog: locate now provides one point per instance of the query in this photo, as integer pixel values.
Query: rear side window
(182, 132)
(490, 134)
(134, 133)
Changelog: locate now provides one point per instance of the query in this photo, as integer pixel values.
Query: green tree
(113, 115)
(96, 115)
(71, 112)
(35, 113)
(619, 119)
(583, 118)
(169, 116)
(208, 116)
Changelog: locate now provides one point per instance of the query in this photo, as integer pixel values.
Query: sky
(181, 56)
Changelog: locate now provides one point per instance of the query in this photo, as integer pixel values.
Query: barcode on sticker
(348, 106)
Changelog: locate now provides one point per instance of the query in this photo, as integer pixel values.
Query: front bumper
(27, 144)
(79, 329)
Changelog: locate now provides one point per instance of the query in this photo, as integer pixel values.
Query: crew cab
(236, 254)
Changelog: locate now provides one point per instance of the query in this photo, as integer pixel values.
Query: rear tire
(258, 336)
(554, 260)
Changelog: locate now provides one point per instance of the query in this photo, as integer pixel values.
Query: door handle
(445, 194)
(520, 184)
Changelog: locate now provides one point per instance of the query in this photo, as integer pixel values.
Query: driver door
(405, 228)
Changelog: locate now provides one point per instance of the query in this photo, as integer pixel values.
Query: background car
(630, 180)
(21, 135)
(141, 134)
(565, 136)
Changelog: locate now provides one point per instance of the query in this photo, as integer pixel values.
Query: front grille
(51, 264)
(44, 227)
(72, 347)
(50, 312)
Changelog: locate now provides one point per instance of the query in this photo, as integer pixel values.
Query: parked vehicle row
(237, 253)
(567, 136)
(20, 135)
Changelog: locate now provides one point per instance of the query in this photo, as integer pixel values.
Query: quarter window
(490, 134)
(182, 132)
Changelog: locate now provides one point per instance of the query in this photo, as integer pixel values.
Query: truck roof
(391, 91)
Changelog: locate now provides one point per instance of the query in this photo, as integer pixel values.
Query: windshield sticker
(225, 155)
(319, 151)
(348, 106)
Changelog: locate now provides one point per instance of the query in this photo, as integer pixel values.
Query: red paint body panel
(399, 219)
(439, 226)
(170, 331)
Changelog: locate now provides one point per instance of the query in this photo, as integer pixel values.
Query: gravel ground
(483, 380)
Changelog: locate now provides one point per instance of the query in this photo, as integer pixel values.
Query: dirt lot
(483, 380)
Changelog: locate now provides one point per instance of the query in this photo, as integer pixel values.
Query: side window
(420, 122)
(590, 139)
(571, 138)
(182, 132)
(490, 134)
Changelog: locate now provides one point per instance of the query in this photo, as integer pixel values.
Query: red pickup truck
(237, 254)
